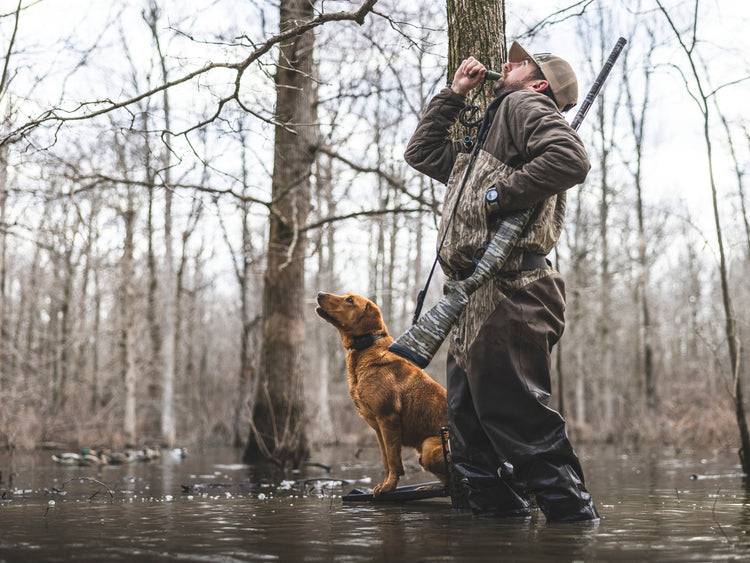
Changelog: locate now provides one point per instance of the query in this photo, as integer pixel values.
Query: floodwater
(209, 507)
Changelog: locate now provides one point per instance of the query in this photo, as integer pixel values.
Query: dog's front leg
(381, 446)
(389, 439)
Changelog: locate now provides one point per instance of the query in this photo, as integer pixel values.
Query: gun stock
(421, 341)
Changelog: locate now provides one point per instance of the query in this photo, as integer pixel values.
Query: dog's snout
(321, 296)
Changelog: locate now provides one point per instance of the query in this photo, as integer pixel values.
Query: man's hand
(468, 76)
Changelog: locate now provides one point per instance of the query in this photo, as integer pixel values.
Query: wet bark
(278, 431)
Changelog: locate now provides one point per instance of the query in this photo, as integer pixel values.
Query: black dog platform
(433, 489)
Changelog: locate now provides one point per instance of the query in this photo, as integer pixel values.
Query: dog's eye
(349, 300)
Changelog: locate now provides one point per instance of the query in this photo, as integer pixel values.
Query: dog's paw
(386, 487)
(427, 487)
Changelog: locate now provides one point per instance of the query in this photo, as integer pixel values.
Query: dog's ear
(373, 319)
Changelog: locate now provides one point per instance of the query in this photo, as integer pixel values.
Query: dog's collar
(363, 342)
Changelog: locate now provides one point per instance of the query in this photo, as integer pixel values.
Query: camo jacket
(531, 155)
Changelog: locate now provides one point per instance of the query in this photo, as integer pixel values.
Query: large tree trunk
(278, 421)
(476, 28)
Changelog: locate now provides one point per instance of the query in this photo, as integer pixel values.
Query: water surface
(210, 507)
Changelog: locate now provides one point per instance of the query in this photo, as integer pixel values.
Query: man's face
(516, 76)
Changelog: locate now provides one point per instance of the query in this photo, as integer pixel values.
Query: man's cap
(562, 80)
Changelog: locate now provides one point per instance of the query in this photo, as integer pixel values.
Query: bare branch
(4, 77)
(560, 16)
(393, 181)
(365, 213)
(91, 181)
(725, 85)
(60, 116)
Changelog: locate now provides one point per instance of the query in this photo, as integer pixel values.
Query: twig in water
(106, 487)
(713, 514)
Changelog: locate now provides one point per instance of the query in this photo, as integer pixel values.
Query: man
(508, 446)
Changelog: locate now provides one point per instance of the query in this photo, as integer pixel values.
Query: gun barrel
(594, 91)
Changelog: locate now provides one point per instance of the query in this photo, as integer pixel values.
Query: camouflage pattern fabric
(468, 228)
(480, 306)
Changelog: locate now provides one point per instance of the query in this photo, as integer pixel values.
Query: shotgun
(421, 341)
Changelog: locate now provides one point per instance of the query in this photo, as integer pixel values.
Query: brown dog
(401, 402)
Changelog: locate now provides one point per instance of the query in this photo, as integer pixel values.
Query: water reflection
(204, 508)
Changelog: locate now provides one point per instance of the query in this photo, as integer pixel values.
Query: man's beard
(503, 85)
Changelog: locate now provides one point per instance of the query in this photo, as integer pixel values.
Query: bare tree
(278, 420)
(169, 289)
(328, 355)
(244, 265)
(3, 256)
(637, 108)
(698, 88)
(603, 149)
(127, 321)
(5, 124)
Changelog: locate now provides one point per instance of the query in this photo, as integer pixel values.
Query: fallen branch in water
(91, 479)
(106, 487)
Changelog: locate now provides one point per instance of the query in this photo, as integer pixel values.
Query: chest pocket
(465, 226)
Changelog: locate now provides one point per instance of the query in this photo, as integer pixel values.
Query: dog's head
(353, 315)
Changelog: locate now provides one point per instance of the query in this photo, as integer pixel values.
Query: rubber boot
(491, 494)
(476, 482)
(561, 494)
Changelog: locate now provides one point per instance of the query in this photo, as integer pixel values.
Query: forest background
(134, 219)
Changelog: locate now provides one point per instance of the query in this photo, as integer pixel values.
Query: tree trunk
(96, 329)
(169, 335)
(3, 253)
(243, 271)
(743, 202)
(637, 117)
(329, 360)
(64, 317)
(476, 28)
(731, 331)
(278, 430)
(152, 420)
(127, 328)
(605, 341)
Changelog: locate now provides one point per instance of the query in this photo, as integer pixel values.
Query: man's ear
(539, 85)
